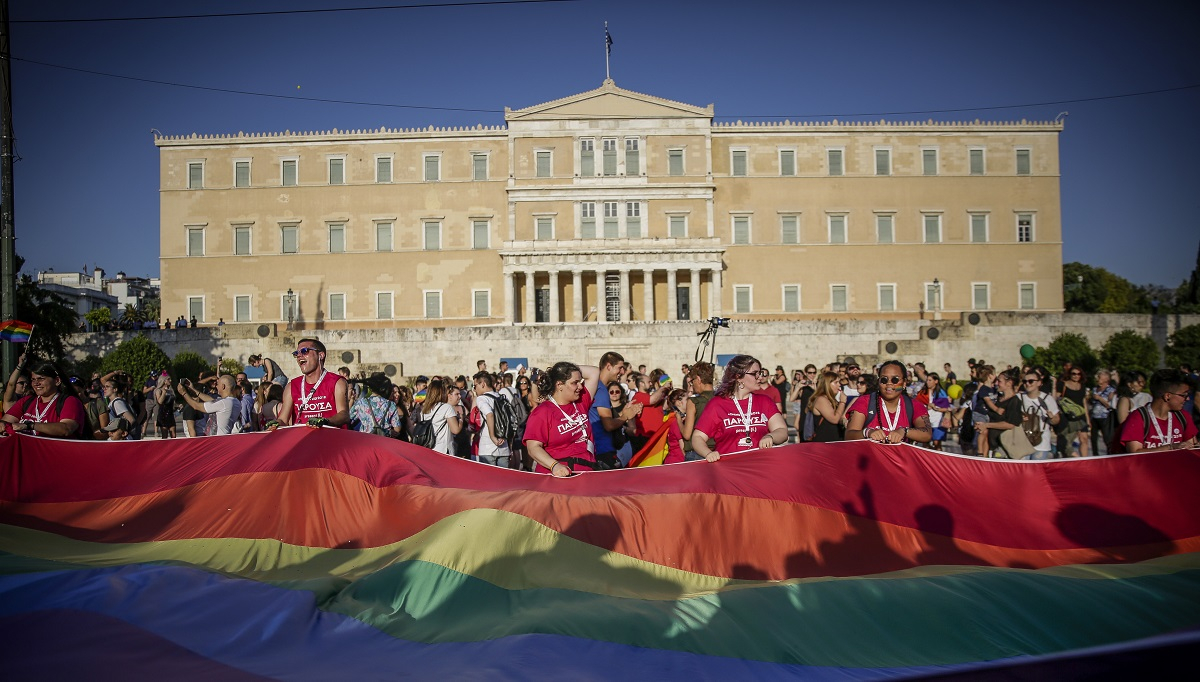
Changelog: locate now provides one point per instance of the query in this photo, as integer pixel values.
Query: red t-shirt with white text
(734, 429)
(321, 402)
(1134, 429)
(47, 413)
(563, 430)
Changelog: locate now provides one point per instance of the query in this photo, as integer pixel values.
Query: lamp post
(291, 307)
(937, 299)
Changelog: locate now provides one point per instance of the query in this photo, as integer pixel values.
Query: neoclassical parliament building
(611, 206)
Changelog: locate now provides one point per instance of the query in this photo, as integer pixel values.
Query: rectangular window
(933, 297)
(633, 159)
(885, 229)
(791, 298)
(196, 308)
(738, 162)
(633, 220)
(787, 162)
(433, 168)
(196, 175)
(433, 304)
(674, 162)
(383, 169)
(241, 241)
(587, 220)
(433, 236)
(337, 306)
(612, 225)
(835, 162)
(838, 297)
(482, 303)
(677, 226)
(587, 158)
(241, 308)
(1028, 295)
(789, 229)
(195, 241)
(887, 297)
(929, 161)
(479, 234)
(337, 171)
(287, 170)
(337, 238)
(241, 173)
(933, 229)
(741, 298)
(741, 229)
(883, 162)
(542, 161)
(383, 236)
(837, 229)
(977, 161)
(479, 167)
(610, 156)
(383, 305)
(1025, 227)
(979, 296)
(289, 238)
(545, 228)
(979, 228)
(1023, 161)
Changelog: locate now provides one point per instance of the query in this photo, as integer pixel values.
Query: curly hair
(559, 373)
(735, 370)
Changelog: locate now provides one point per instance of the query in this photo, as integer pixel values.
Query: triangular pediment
(608, 101)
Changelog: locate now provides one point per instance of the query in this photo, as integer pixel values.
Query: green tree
(98, 318)
(132, 314)
(1095, 290)
(1067, 347)
(87, 366)
(1187, 296)
(1184, 347)
(1128, 349)
(52, 317)
(152, 309)
(231, 366)
(138, 357)
(188, 365)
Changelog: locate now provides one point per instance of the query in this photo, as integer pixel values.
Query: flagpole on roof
(607, 51)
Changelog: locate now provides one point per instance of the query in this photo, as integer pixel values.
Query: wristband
(317, 421)
(272, 423)
(905, 437)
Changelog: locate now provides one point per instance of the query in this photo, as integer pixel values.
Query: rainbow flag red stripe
(15, 331)
(324, 554)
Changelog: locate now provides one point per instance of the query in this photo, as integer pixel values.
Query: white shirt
(487, 448)
(226, 411)
(1051, 409)
(444, 439)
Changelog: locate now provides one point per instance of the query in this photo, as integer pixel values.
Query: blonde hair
(826, 383)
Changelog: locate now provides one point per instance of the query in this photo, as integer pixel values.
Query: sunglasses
(884, 381)
(762, 374)
(1028, 382)
(303, 351)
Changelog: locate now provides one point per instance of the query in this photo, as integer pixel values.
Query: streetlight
(291, 307)
(937, 297)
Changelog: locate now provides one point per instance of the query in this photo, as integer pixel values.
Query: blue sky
(87, 176)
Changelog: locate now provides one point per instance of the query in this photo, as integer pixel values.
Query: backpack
(1031, 422)
(422, 432)
(873, 407)
(810, 427)
(504, 418)
(966, 429)
(85, 433)
(1116, 447)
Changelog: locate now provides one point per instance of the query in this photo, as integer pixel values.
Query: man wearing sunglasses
(1044, 405)
(316, 397)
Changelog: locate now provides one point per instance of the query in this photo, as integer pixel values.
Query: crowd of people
(568, 417)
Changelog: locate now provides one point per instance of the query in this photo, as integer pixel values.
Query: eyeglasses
(761, 374)
(303, 351)
(1184, 395)
(884, 381)
(810, 371)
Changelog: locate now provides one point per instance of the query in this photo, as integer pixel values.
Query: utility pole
(8, 238)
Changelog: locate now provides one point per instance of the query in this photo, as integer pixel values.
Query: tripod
(708, 339)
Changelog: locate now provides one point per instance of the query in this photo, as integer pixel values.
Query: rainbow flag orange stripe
(15, 331)
(325, 554)
(654, 452)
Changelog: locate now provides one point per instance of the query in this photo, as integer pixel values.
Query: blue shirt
(600, 437)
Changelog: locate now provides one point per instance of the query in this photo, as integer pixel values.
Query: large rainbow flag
(319, 554)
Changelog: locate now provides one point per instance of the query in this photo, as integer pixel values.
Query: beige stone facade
(611, 206)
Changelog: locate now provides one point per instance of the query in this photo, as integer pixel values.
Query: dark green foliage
(231, 366)
(1067, 347)
(188, 365)
(137, 357)
(1128, 349)
(50, 314)
(87, 366)
(1095, 290)
(1184, 347)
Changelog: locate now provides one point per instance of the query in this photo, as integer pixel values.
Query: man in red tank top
(316, 397)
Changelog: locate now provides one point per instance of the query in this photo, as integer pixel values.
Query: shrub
(138, 357)
(1067, 347)
(1184, 347)
(1128, 349)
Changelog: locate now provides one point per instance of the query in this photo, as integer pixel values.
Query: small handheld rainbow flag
(15, 331)
(419, 396)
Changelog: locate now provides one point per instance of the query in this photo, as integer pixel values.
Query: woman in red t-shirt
(52, 410)
(557, 434)
(735, 426)
(891, 424)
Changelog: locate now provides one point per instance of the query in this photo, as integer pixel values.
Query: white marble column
(672, 295)
(529, 315)
(509, 313)
(577, 296)
(694, 297)
(648, 295)
(554, 296)
(624, 295)
(714, 299)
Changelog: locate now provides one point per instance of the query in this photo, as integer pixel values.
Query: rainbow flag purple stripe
(15, 331)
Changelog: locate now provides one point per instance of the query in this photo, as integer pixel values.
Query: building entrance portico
(621, 280)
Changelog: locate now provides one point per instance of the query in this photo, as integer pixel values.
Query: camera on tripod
(719, 322)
